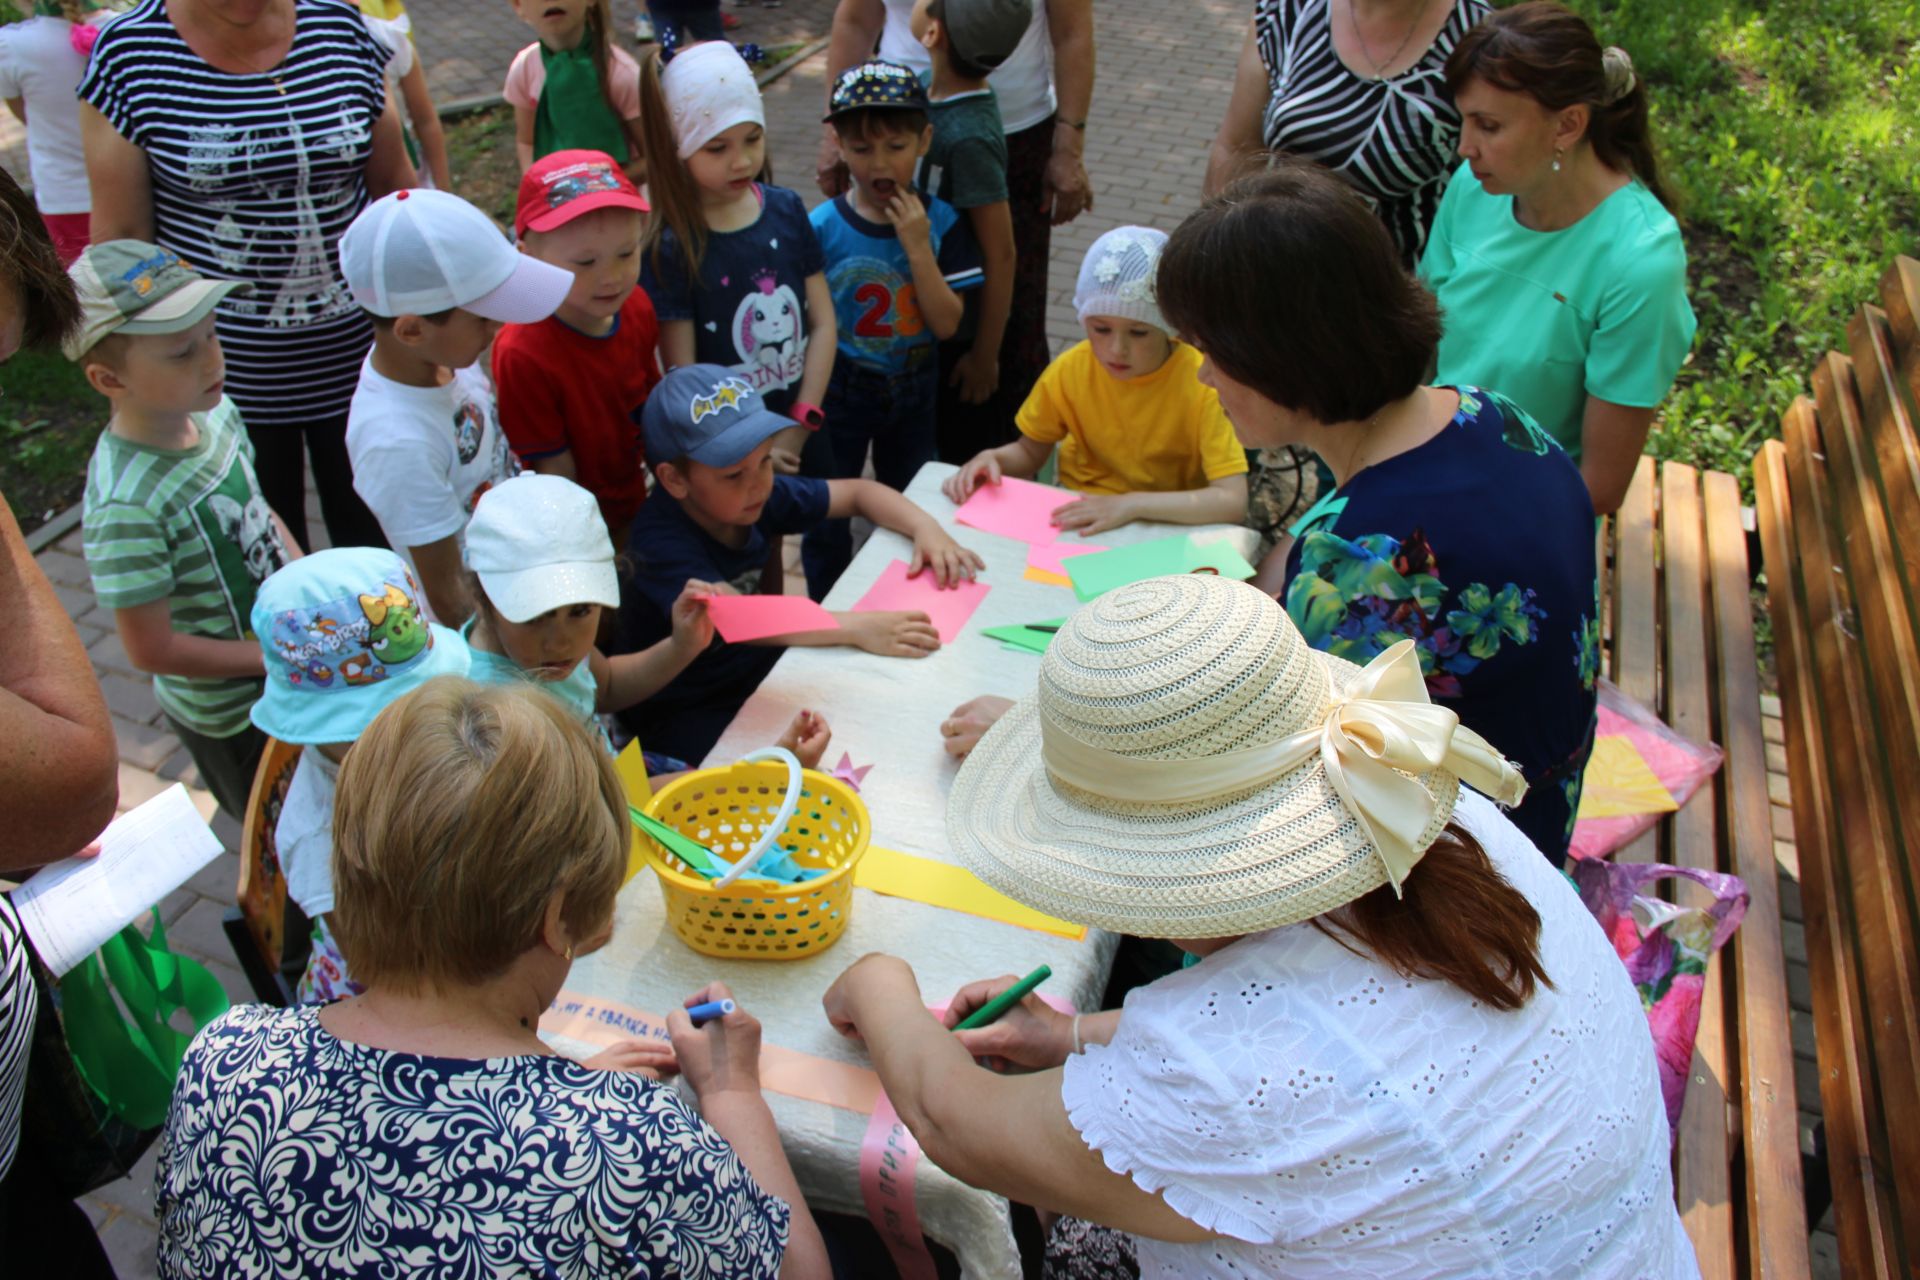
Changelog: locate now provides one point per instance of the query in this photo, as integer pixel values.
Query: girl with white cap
(1139, 435)
(1404, 1049)
(731, 261)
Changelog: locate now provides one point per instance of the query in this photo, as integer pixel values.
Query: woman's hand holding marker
(1032, 1034)
(722, 1053)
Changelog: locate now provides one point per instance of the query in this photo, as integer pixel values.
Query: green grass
(1787, 129)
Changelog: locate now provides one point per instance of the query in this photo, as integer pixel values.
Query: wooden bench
(1839, 510)
(1676, 585)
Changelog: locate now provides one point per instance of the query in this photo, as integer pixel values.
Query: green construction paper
(1101, 572)
(689, 850)
(1026, 638)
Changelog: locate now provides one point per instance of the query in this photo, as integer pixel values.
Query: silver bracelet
(1077, 1046)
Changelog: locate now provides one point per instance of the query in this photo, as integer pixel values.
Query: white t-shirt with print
(422, 456)
(304, 835)
(1329, 1118)
(39, 63)
(1023, 83)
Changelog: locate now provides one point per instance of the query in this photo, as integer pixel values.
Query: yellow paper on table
(631, 765)
(1051, 579)
(939, 884)
(1620, 783)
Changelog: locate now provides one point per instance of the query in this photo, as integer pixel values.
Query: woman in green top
(1554, 256)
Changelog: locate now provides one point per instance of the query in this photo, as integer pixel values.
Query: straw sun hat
(1192, 768)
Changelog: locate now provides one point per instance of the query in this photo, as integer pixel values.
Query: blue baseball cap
(343, 636)
(708, 413)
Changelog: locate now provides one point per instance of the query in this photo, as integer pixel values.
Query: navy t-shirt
(1478, 547)
(665, 549)
(749, 302)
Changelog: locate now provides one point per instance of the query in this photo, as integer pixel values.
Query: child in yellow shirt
(1138, 433)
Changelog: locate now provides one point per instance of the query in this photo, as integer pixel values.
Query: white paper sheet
(73, 906)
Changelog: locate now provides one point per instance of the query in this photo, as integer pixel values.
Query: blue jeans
(890, 412)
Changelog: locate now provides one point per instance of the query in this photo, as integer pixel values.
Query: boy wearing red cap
(571, 386)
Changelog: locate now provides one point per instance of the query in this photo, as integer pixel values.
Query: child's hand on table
(982, 468)
(1032, 1034)
(960, 731)
(934, 549)
(891, 634)
(807, 737)
(1096, 514)
(724, 1055)
(647, 1058)
(692, 625)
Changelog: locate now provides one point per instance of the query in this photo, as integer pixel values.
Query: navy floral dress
(289, 1152)
(1478, 547)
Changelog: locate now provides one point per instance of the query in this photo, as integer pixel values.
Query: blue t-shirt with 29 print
(665, 549)
(748, 303)
(872, 278)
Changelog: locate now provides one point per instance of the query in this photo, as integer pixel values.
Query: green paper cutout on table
(1033, 637)
(1100, 573)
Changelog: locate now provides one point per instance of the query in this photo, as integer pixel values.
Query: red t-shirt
(559, 389)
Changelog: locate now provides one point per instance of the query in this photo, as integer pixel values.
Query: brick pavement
(1159, 95)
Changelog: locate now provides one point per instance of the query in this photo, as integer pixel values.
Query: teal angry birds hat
(343, 635)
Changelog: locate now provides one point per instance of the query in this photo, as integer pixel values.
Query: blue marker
(711, 1011)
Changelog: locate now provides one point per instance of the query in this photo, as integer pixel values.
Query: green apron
(572, 113)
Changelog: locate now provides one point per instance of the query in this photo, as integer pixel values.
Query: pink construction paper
(742, 618)
(1052, 557)
(947, 609)
(1018, 509)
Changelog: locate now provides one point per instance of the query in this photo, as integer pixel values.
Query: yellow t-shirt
(1161, 433)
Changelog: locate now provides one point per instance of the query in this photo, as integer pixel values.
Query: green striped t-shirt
(187, 526)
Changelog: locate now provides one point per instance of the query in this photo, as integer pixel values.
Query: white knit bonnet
(1116, 278)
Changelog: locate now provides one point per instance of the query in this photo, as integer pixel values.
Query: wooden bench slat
(1702, 1157)
(1635, 652)
(1890, 456)
(1864, 1212)
(1900, 295)
(1829, 715)
(1768, 1121)
(1886, 707)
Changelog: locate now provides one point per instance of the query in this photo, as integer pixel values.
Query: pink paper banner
(947, 608)
(1052, 557)
(1017, 509)
(739, 619)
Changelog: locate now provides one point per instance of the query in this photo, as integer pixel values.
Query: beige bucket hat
(1191, 768)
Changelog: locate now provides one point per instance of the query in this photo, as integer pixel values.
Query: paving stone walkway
(1161, 90)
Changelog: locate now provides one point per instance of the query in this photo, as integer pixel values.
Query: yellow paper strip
(1051, 579)
(631, 765)
(939, 884)
(1619, 782)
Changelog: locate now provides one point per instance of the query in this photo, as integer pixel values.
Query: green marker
(993, 1009)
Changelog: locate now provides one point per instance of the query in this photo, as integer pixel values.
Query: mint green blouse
(1548, 318)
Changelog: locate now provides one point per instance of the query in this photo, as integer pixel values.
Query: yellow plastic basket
(726, 809)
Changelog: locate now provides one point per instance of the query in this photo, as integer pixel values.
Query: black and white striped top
(255, 177)
(1392, 139)
(17, 1008)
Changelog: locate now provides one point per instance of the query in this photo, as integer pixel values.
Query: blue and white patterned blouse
(289, 1152)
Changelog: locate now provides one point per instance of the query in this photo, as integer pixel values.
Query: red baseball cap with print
(565, 184)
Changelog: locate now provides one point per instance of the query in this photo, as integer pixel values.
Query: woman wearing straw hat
(1404, 1049)
(1454, 522)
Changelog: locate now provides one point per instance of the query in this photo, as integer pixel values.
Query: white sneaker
(643, 29)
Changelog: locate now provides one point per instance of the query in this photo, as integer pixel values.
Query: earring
(568, 953)
(1556, 159)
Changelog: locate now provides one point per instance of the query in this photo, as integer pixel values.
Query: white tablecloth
(886, 712)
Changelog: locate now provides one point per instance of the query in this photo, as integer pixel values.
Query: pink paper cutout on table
(947, 609)
(739, 619)
(1017, 509)
(847, 773)
(1052, 557)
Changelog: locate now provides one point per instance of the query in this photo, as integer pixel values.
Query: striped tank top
(254, 178)
(1392, 139)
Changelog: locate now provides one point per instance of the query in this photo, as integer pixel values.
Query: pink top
(528, 76)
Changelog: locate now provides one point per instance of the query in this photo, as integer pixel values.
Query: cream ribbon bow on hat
(1375, 740)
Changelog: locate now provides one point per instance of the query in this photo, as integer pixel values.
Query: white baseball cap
(421, 252)
(538, 543)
